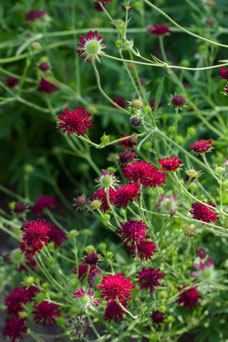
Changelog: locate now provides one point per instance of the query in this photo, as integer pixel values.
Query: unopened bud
(137, 104)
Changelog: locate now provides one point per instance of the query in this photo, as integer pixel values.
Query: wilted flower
(90, 46)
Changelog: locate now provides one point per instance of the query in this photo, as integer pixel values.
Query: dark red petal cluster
(56, 235)
(145, 250)
(45, 313)
(35, 235)
(189, 298)
(158, 30)
(114, 311)
(12, 82)
(19, 208)
(157, 316)
(46, 87)
(178, 101)
(170, 164)
(146, 173)
(116, 287)
(132, 232)
(75, 121)
(201, 253)
(44, 202)
(126, 193)
(119, 101)
(35, 14)
(203, 213)
(152, 104)
(91, 258)
(130, 142)
(82, 272)
(101, 195)
(14, 328)
(148, 278)
(223, 72)
(127, 156)
(201, 146)
(44, 66)
(20, 295)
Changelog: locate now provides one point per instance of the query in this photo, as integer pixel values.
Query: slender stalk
(125, 310)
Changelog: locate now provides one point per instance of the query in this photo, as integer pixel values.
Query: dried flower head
(75, 121)
(90, 46)
(135, 121)
(91, 258)
(80, 201)
(201, 253)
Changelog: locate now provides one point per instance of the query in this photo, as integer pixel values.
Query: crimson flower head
(20, 208)
(90, 46)
(19, 296)
(45, 313)
(34, 14)
(223, 72)
(152, 104)
(159, 30)
(75, 121)
(46, 87)
(44, 66)
(56, 235)
(35, 235)
(12, 82)
(145, 250)
(201, 253)
(114, 311)
(178, 101)
(130, 142)
(126, 193)
(157, 316)
(119, 101)
(132, 232)
(44, 202)
(127, 156)
(148, 278)
(116, 287)
(91, 258)
(14, 328)
(201, 146)
(189, 298)
(170, 164)
(101, 195)
(202, 213)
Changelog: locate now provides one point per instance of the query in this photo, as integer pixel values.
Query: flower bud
(128, 45)
(135, 121)
(119, 43)
(137, 104)
(220, 169)
(209, 3)
(28, 168)
(95, 204)
(89, 249)
(29, 281)
(73, 233)
(193, 173)
(120, 25)
(80, 201)
(22, 314)
(36, 45)
(210, 21)
(16, 256)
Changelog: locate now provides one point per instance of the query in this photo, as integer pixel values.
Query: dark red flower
(44, 66)
(189, 297)
(223, 72)
(44, 202)
(35, 235)
(19, 208)
(178, 101)
(157, 316)
(152, 104)
(114, 311)
(32, 292)
(15, 299)
(201, 146)
(188, 177)
(146, 173)
(80, 201)
(101, 195)
(45, 313)
(46, 87)
(130, 142)
(170, 164)
(14, 328)
(98, 7)
(34, 14)
(12, 82)
(127, 156)
(119, 101)
(91, 258)
(126, 193)
(56, 235)
(145, 250)
(76, 121)
(203, 213)
(158, 30)
(116, 287)
(104, 1)
(132, 232)
(90, 46)
(201, 253)
(148, 278)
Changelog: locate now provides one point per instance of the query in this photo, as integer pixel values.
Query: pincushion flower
(145, 250)
(126, 193)
(19, 208)
(132, 232)
(46, 87)
(127, 156)
(170, 164)
(114, 311)
(44, 66)
(189, 298)
(12, 82)
(19, 296)
(178, 101)
(75, 121)
(201, 253)
(14, 328)
(90, 46)
(130, 142)
(34, 14)
(157, 316)
(158, 30)
(148, 278)
(223, 72)
(101, 195)
(44, 202)
(35, 235)
(91, 258)
(45, 313)
(56, 235)
(116, 287)
(203, 213)
(89, 297)
(201, 146)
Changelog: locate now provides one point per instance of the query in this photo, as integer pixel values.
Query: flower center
(92, 47)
